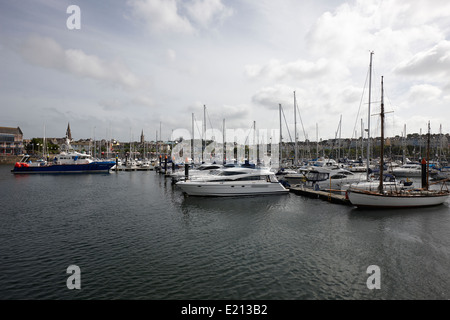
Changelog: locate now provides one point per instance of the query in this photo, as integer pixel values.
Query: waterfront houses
(11, 141)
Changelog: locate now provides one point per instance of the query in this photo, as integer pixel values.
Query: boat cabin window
(251, 178)
(338, 176)
(209, 168)
(317, 176)
(230, 173)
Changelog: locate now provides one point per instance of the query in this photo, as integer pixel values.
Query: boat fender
(18, 165)
(346, 195)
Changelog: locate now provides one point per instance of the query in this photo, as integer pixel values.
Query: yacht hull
(93, 167)
(363, 199)
(224, 189)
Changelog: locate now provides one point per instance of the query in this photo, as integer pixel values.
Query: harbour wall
(8, 159)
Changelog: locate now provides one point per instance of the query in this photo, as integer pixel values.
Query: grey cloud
(46, 52)
(435, 61)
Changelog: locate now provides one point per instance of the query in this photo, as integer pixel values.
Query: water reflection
(161, 244)
(376, 214)
(248, 204)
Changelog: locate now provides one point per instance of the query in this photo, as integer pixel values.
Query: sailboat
(389, 198)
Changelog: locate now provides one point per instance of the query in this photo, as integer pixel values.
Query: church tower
(68, 133)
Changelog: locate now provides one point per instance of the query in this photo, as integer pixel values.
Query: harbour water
(135, 236)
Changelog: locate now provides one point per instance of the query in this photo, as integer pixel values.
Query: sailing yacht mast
(224, 148)
(380, 187)
(44, 148)
(255, 150)
(204, 132)
(368, 124)
(362, 140)
(428, 154)
(281, 141)
(192, 143)
(295, 129)
(317, 140)
(339, 141)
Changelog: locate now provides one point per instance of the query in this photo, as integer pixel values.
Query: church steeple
(68, 133)
(142, 136)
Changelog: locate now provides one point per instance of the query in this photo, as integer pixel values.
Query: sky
(147, 66)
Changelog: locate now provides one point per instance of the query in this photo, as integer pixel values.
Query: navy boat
(68, 161)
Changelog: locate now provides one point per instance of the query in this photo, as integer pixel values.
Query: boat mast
(339, 141)
(255, 148)
(428, 153)
(368, 124)
(281, 141)
(362, 140)
(380, 187)
(404, 144)
(95, 146)
(157, 147)
(224, 157)
(440, 153)
(44, 148)
(295, 129)
(192, 142)
(160, 132)
(204, 132)
(317, 140)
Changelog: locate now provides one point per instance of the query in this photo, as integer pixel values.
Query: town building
(11, 141)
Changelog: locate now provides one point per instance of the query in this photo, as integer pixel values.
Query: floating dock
(324, 195)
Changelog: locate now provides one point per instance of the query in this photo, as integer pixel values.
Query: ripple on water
(136, 236)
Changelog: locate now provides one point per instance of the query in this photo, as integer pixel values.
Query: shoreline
(8, 159)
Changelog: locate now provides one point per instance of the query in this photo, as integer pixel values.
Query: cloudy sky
(140, 64)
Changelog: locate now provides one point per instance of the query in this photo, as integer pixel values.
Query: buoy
(18, 165)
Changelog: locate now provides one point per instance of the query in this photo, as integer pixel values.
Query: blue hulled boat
(68, 161)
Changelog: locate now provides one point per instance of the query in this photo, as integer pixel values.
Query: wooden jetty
(317, 194)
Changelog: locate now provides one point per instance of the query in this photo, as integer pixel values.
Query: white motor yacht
(408, 170)
(323, 178)
(390, 183)
(236, 181)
